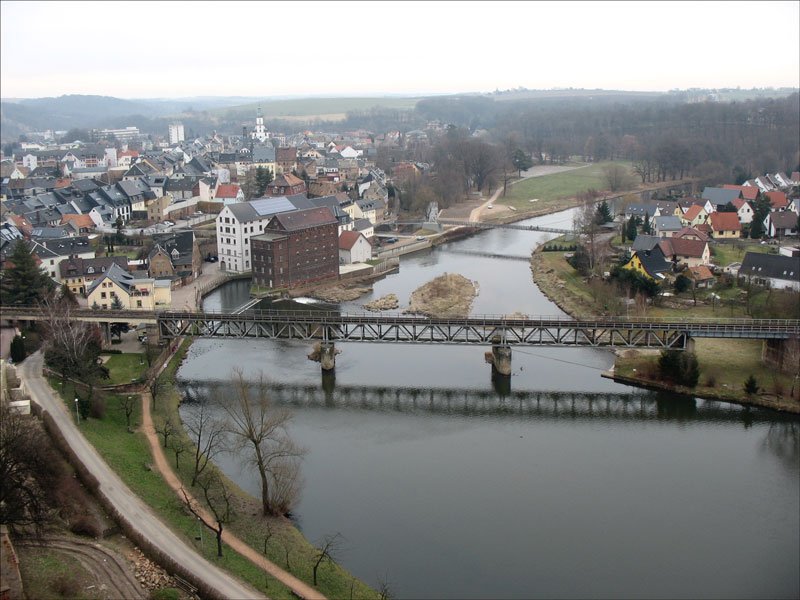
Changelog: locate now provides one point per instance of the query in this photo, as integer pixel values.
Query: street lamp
(77, 413)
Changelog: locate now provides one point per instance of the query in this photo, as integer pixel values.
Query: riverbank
(724, 364)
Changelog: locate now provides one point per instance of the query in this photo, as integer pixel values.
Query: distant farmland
(328, 109)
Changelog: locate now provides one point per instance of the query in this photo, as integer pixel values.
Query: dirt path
(130, 507)
(300, 588)
(113, 576)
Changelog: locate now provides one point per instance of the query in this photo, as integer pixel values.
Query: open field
(550, 191)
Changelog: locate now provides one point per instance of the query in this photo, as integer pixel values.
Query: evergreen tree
(603, 214)
(116, 303)
(630, 228)
(263, 179)
(17, 350)
(646, 224)
(23, 283)
(68, 296)
(522, 162)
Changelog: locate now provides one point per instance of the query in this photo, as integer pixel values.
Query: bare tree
(585, 224)
(28, 471)
(165, 430)
(72, 347)
(128, 404)
(326, 550)
(218, 500)
(259, 431)
(207, 433)
(178, 446)
(616, 177)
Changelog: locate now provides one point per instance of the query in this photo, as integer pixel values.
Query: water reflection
(544, 405)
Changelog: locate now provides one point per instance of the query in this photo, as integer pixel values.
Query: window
(102, 294)
(138, 304)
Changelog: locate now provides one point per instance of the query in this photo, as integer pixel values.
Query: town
(335, 300)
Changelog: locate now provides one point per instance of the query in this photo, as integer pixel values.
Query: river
(567, 485)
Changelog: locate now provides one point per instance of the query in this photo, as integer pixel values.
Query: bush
(751, 386)
(67, 586)
(85, 525)
(680, 367)
(165, 594)
(17, 350)
(98, 408)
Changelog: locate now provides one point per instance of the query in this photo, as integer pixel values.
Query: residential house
(694, 215)
(52, 252)
(725, 225)
(131, 293)
(777, 200)
(651, 264)
(353, 248)
(297, 248)
(780, 224)
(81, 224)
(773, 270)
(286, 184)
(265, 156)
(692, 233)
(683, 251)
(744, 210)
(666, 226)
(286, 158)
(701, 276)
(229, 193)
(718, 197)
(79, 273)
(365, 227)
(747, 192)
(176, 255)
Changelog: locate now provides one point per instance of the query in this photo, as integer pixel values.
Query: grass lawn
(129, 455)
(124, 368)
(65, 576)
(723, 254)
(552, 190)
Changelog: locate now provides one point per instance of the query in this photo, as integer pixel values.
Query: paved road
(128, 504)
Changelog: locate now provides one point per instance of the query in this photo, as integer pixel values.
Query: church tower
(260, 132)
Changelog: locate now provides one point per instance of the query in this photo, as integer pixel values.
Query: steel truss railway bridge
(498, 331)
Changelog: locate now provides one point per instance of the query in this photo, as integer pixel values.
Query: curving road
(125, 501)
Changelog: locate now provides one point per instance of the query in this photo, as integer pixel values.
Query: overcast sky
(177, 49)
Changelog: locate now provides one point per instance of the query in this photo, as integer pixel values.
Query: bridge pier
(783, 355)
(105, 327)
(325, 354)
(500, 359)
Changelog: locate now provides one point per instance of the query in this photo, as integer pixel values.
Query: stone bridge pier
(500, 358)
(325, 354)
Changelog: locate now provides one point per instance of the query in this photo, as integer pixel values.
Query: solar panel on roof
(271, 206)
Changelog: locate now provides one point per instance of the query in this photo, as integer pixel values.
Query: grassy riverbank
(724, 364)
(129, 455)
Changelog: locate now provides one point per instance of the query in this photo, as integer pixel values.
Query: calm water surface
(568, 485)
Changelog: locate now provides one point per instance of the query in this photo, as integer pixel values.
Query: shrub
(85, 525)
(680, 367)
(98, 408)
(17, 350)
(711, 381)
(67, 586)
(751, 386)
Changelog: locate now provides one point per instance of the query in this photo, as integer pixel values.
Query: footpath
(299, 588)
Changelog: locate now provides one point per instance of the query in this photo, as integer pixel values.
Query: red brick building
(297, 248)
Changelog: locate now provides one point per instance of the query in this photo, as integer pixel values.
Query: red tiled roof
(682, 247)
(721, 221)
(79, 220)
(693, 211)
(692, 231)
(701, 273)
(287, 179)
(777, 200)
(748, 192)
(739, 203)
(348, 239)
(227, 190)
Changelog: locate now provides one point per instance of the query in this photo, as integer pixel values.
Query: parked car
(169, 223)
